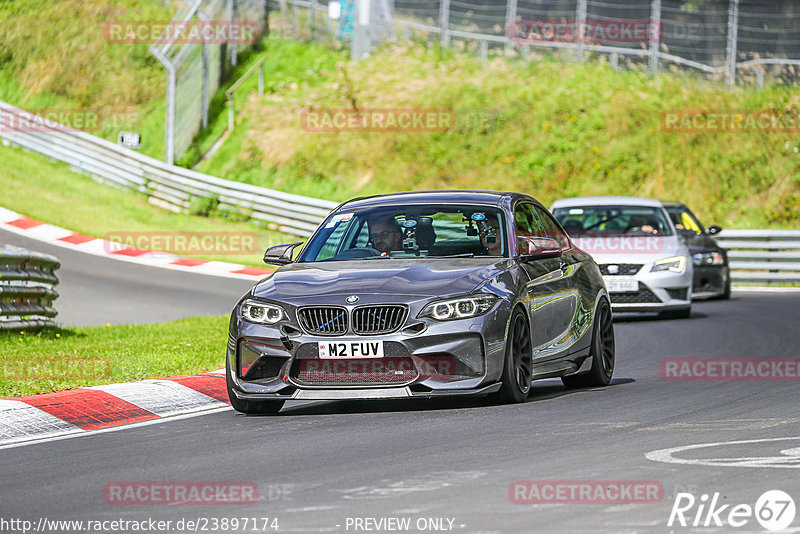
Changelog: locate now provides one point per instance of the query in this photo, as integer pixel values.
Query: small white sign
(129, 140)
(334, 10)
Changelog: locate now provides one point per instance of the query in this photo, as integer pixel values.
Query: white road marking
(790, 458)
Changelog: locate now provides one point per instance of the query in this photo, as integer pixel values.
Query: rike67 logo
(774, 510)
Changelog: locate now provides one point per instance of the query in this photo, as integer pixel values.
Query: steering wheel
(357, 253)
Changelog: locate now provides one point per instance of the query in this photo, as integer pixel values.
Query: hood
(426, 278)
(631, 249)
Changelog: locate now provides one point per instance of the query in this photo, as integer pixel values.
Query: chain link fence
(735, 40)
(199, 47)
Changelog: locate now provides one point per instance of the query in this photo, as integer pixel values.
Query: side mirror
(532, 247)
(280, 254)
(713, 229)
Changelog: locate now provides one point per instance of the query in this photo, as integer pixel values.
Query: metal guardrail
(168, 186)
(26, 289)
(762, 256)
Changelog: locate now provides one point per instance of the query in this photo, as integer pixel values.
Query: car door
(548, 290)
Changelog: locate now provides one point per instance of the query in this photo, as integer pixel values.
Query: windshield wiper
(464, 255)
(376, 257)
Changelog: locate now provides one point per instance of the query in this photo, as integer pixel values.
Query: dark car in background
(712, 274)
(422, 294)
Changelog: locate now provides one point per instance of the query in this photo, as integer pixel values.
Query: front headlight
(707, 258)
(260, 312)
(459, 308)
(676, 264)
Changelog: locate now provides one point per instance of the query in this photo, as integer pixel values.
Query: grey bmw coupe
(422, 294)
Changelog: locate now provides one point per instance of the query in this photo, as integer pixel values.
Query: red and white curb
(85, 410)
(54, 235)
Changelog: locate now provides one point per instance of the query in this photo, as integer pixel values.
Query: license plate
(350, 349)
(620, 285)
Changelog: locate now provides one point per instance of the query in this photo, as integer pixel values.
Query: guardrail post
(484, 47)
(733, 29)
(760, 73)
(511, 17)
(444, 22)
(655, 35)
(311, 17)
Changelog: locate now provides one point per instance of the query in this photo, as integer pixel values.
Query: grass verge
(59, 359)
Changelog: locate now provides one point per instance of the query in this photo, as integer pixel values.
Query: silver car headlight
(676, 264)
(708, 258)
(459, 308)
(260, 312)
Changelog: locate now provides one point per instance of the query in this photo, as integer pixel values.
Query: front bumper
(658, 291)
(710, 281)
(426, 358)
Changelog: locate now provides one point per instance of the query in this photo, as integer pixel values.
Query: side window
(525, 222)
(551, 228)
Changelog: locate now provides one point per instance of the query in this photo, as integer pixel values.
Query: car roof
(606, 201)
(493, 198)
(674, 204)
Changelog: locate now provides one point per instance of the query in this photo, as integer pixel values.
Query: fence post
(311, 17)
(205, 101)
(511, 17)
(760, 76)
(234, 46)
(444, 21)
(169, 127)
(580, 25)
(733, 29)
(655, 34)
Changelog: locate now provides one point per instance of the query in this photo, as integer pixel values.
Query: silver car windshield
(614, 220)
(428, 231)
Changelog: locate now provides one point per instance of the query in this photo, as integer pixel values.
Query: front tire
(518, 364)
(602, 353)
(250, 407)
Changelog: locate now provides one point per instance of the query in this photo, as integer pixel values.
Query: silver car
(645, 262)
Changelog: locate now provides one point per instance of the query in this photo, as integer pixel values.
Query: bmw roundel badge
(352, 299)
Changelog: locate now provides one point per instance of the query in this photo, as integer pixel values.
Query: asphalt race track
(94, 290)
(316, 465)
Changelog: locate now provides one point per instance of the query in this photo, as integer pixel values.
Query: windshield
(613, 220)
(684, 219)
(428, 231)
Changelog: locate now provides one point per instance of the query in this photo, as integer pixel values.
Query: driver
(640, 222)
(496, 248)
(385, 234)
